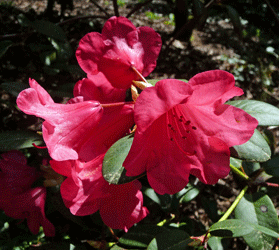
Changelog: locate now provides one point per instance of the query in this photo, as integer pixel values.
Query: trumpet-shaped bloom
(77, 130)
(85, 191)
(97, 87)
(17, 197)
(185, 128)
(120, 47)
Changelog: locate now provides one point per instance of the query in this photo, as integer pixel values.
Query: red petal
(124, 207)
(152, 43)
(98, 88)
(161, 98)
(117, 27)
(90, 50)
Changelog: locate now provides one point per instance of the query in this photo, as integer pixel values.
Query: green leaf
(19, 139)
(49, 29)
(250, 167)
(189, 193)
(230, 228)
(154, 81)
(272, 166)
(115, 247)
(258, 209)
(218, 243)
(164, 201)
(112, 169)
(235, 162)
(4, 45)
(141, 235)
(14, 88)
(256, 149)
(172, 240)
(266, 114)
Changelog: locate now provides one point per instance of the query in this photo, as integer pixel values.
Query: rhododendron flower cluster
(17, 197)
(179, 128)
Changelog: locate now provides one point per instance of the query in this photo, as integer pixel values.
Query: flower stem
(227, 214)
(239, 173)
(233, 206)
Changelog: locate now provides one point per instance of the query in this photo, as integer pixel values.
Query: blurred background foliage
(38, 40)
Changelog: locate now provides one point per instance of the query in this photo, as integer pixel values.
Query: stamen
(175, 113)
(138, 73)
(109, 105)
(40, 147)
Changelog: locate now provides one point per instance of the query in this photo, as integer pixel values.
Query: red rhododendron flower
(97, 87)
(85, 191)
(120, 48)
(185, 128)
(72, 131)
(17, 197)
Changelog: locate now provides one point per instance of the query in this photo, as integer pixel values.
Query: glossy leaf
(189, 193)
(154, 81)
(256, 149)
(112, 169)
(250, 167)
(141, 235)
(19, 139)
(49, 29)
(164, 201)
(237, 163)
(258, 208)
(172, 240)
(230, 228)
(218, 243)
(266, 114)
(272, 166)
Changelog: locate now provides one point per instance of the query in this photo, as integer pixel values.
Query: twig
(115, 6)
(100, 8)
(271, 94)
(137, 7)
